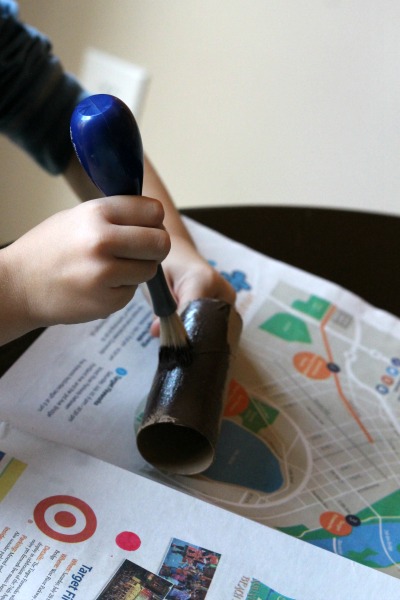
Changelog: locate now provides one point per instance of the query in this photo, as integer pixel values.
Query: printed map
(310, 440)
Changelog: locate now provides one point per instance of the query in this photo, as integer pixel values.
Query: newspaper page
(310, 439)
(75, 528)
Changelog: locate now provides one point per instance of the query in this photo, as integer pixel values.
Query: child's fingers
(131, 210)
(125, 272)
(140, 243)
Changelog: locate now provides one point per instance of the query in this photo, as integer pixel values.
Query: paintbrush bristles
(175, 347)
(172, 331)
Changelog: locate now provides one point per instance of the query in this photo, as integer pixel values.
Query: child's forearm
(154, 187)
(14, 316)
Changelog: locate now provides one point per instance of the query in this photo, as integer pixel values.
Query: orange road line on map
(346, 402)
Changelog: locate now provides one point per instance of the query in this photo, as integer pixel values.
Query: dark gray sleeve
(37, 97)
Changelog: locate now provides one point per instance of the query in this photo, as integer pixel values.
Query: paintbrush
(108, 144)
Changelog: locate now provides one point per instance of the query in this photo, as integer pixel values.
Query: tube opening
(175, 448)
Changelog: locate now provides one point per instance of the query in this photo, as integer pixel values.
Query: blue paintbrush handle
(108, 145)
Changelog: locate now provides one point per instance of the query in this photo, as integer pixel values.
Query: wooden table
(357, 250)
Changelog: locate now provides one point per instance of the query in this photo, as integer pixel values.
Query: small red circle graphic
(127, 540)
(61, 521)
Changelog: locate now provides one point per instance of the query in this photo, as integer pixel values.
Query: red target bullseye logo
(65, 519)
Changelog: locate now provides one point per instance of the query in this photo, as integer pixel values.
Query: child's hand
(83, 263)
(191, 277)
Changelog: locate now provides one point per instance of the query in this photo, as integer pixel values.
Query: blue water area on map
(243, 459)
(365, 541)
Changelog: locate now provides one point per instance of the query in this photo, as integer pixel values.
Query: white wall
(258, 101)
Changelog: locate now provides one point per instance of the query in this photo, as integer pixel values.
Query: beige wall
(257, 101)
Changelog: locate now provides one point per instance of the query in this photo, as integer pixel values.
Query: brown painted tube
(182, 418)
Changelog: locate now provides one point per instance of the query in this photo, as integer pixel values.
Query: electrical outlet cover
(104, 73)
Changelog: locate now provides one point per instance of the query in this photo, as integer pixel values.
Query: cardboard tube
(182, 418)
